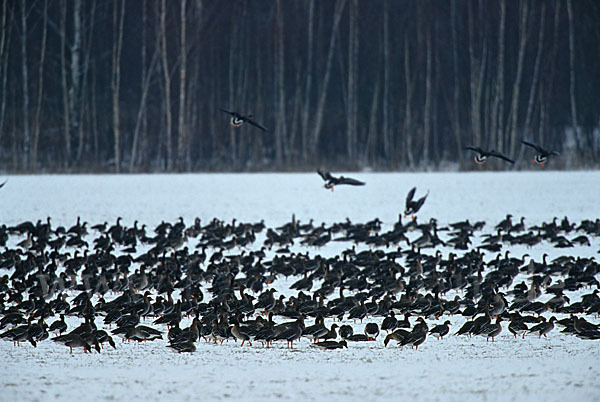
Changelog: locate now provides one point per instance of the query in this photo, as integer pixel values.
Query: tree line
(136, 85)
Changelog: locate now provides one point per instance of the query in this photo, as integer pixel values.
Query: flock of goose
(84, 285)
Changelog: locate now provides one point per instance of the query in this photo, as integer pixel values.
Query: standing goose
(418, 334)
(439, 331)
(240, 333)
(517, 326)
(543, 328)
(491, 330)
(291, 332)
(314, 332)
(389, 323)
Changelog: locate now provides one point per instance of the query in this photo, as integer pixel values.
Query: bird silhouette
(238, 119)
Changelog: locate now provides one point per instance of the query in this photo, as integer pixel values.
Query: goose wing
(534, 146)
(228, 111)
(476, 149)
(410, 195)
(255, 124)
(350, 181)
(501, 156)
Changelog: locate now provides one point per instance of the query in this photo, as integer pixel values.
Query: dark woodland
(137, 85)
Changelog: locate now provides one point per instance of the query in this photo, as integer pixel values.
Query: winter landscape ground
(559, 367)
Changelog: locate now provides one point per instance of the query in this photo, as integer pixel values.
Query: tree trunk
(308, 82)
(145, 84)
(477, 73)
(139, 121)
(281, 128)
(233, 102)
(38, 108)
(75, 98)
(409, 84)
(84, 84)
(517, 84)
(456, 83)
(352, 103)
(388, 150)
(536, 70)
(167, 83)
(25, 83)
(5, 36)
(497, 128)
(64, 84)
(427, 106)
(94, 118)
(337, 16)
(118, 19)
(183, 144)
(572, 74)
(368, 154)
(547, 99)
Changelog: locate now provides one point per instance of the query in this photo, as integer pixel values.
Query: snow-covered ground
(561, 367)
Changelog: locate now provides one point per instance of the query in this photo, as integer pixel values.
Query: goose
(330, 345)
(332, 181)
(439, 331)
(542, 154)
(413, 206)
(482, 155)
(237, 120)
(543, 328)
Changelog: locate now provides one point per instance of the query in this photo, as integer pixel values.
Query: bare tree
(167, 84)
(372, 131)
(497, 115)
(75, 77)
(25, 83)
(281, 128)
(316, 135)
(408, 120)
(85, 103)
(308, 80)
(572, 74)
(147, 75)
(517, 83)
(352, 103)
(427, 107)
(536, 69)
(478, 66)
(38, 107)
(118, 20)
(183, 143)
(456, 83)
(388, 150)
(64, 83)
(4, 56)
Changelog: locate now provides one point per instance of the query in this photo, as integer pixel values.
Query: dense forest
(136, 85)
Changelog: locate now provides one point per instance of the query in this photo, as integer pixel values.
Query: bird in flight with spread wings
(332, 181)
(238, 119)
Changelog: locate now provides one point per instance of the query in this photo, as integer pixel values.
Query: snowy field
(457, 368)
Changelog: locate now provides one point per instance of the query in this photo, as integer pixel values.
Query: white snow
(561, 367)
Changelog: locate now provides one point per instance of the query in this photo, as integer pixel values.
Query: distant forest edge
(136, 85)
